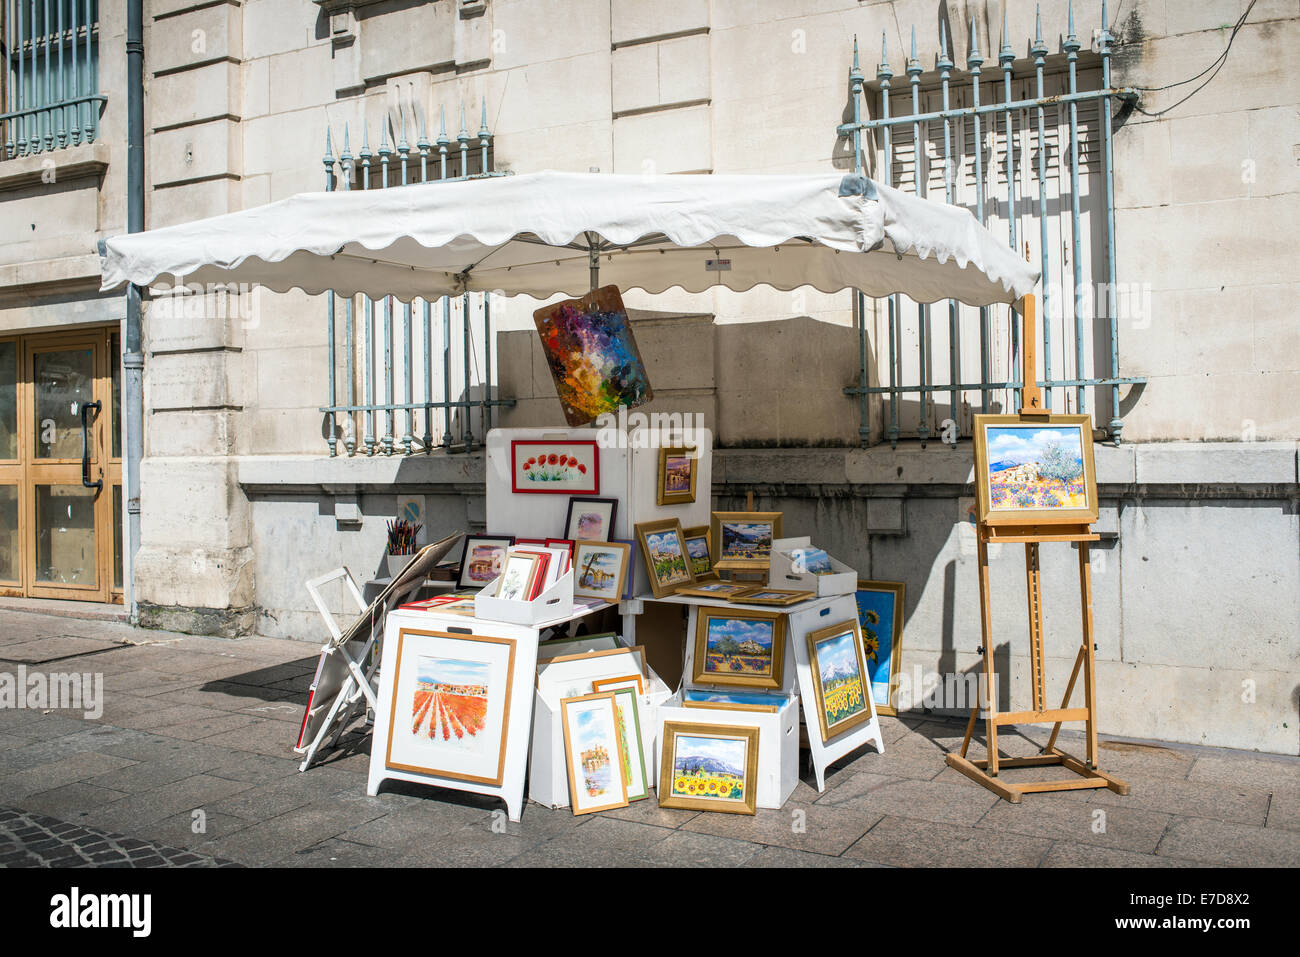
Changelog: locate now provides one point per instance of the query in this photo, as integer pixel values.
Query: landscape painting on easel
(1035, 470)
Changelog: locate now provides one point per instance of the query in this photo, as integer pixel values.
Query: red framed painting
(566, 467)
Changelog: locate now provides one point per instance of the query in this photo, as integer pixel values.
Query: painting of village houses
(451, 702)
(1033, 467)
(666, 556)
(598, 773)
(740, 648)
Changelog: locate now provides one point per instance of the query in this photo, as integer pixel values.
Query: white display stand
(548, 770)
(778, 742)
(554, 603)
(800, 620)
(824, 753)
(511, 788)
(782, 573)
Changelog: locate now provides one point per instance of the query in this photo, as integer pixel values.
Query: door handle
(98, 484)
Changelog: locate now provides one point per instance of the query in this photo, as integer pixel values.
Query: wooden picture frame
(760, 595)
(721, 590)
(618, 683)
(628, 706)
(432, 708)
(566, 466)
(728, 643)
(1024, 464)
(882, 638)
(591, 739)
(836, 651)
(667, 563)
(518, 575)
(699, 760)
(672, 460)
(730, 534)
(703, 568)
(589, 561)
(607, 511)
(469, 561)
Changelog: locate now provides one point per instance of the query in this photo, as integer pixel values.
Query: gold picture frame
(727, 654)
(760, 595)
(420, 717)
(670, 468)
(662, 546)
(694, 534)
(719, 589)
(1024, 470)
(837, 649)
(728, 532)
(694, 781)
(613, 754)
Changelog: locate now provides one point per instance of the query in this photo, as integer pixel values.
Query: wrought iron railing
(982, 166)
(50, 81)
(366, 415)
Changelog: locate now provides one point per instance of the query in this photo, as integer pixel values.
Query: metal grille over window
(50, 83)
(1026, 146)
(409, 377)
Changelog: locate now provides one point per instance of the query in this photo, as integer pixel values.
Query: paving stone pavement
(206, 724)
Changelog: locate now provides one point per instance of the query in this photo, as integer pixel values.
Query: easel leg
(970, 728)
(986, 630)
(1089, 662)
(1065, 701)
(1034, 588)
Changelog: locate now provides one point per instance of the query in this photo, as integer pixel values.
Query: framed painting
(1036, 471)
(590, 519)
(600, 569)
(709, 767)
(697, 547)
(667, 563)
(770, 596)
(715, 589)
(733, 700)
(592, 355)
(593, 751)
(839, 677)
(481, 559)
(739, 647)
(620, 681)
(450, 709)
(678, 470)
(743, 539)
(518, 575)
(570, 676)
(632, 747)
(880, 619)
(557, 468)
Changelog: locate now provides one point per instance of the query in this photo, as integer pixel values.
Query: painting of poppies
(563, 467)
(1035, 471)
(592, 355)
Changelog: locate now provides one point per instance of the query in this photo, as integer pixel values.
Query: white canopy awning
(532, 234)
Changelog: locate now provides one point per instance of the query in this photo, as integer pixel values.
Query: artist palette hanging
(593, 356)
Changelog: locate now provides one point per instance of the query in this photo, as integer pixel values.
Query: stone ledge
(1216, 463)
(69, 163)
(315, 474)
(216, 622)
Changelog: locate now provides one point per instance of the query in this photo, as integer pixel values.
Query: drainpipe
(132, 354)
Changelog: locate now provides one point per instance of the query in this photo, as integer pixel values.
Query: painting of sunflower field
(709, 767)
(837, 676)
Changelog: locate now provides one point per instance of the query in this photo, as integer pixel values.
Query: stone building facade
(1197, 580)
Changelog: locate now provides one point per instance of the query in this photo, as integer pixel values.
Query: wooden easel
(1088, 774)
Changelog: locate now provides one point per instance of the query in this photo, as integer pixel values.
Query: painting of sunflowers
(709, 767)
(880, 618)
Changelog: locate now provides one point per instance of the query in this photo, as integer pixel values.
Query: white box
(548, 771)
(782, 574)
(778, 742)
(554, 604)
